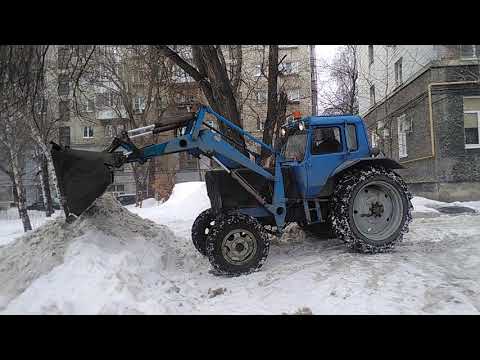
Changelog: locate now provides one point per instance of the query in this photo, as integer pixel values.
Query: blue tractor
(324, 177)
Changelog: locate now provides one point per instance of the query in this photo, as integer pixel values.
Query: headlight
(301, 126)
(283, 132)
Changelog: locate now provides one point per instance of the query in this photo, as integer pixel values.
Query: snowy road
(436, 270)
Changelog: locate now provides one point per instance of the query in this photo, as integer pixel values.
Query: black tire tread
(339, 214)
(199, 237)
(224, 223)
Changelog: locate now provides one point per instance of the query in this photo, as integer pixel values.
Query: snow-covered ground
(115, 262)
(11, 225)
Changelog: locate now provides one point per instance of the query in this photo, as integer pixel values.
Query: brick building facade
(429, 121)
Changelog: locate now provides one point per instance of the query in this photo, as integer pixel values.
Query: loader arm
(214, 145)
(196, 140)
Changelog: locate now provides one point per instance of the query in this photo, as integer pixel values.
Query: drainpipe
(430, 114)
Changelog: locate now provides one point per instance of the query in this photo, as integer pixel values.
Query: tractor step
(313, 213)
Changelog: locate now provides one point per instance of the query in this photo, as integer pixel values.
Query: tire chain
(340, 206)
(226, 219)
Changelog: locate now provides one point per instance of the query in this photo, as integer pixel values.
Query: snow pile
(107, 261)
(425, 206)
(180, 210)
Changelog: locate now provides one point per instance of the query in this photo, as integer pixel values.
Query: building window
(293, 95)
(88, 132)
(287, 46)
(64, 110)
(188, 162)
(372, 95)
(258, 70)
(117, 189)
(398, 72)
(259, 124)
(41, 106)
(471, 121)
(374, 139)
(63, 85)
(402, 137)
(469, 51)
(183, 99)
(109, 131)
(370, 55)
(105, 100)
(90, 105)
(139, 103)
(262, 96)
(64, 135)
(381, 129)
(139, 76)
(63, 58)
(289, 68)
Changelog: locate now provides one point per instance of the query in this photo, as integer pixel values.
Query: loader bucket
(82, 176)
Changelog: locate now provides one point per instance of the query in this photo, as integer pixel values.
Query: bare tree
(339, 94)
(15, 87)
(129, 87)
(276, 103)
(220, 86)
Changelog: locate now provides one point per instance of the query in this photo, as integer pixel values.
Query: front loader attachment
(82, 176)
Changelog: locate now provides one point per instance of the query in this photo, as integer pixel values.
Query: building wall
(381, 73)
(454, 172)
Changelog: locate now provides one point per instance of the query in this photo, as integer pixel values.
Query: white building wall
(381, 73)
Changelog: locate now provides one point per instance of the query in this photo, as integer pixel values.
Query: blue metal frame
(211, 144)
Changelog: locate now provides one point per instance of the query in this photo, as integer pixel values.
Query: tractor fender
(382, 161)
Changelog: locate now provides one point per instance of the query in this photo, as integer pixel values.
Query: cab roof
(332, 119)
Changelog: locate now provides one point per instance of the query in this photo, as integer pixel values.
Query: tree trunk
(21, 193)
(50, 168)
(140, 174)
(45, 184)
(212, 77)
(274, 107)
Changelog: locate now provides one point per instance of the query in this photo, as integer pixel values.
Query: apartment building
(421, 104)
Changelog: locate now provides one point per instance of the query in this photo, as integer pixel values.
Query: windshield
(294, 149)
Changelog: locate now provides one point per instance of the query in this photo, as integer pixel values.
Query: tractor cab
(316, 146)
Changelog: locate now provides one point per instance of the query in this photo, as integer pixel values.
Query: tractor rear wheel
(201, 228)
(371, 209)
(237, 244)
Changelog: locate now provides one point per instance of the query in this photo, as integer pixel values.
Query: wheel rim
(239, 246)
(378, 210)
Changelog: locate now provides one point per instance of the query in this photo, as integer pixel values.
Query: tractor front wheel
(237, 244)
(371, 209)
(200, 230)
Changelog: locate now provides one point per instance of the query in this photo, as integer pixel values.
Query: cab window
(352, 143)
(294, 148)
(326, 140)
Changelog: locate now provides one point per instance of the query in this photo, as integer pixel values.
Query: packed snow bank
(185, 203)
(98, 264)
(424, 207)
